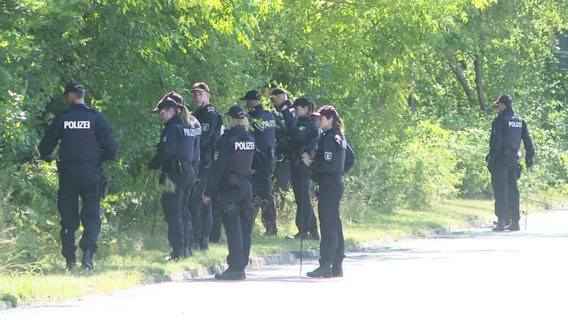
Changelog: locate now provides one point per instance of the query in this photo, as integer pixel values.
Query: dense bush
(413, 81)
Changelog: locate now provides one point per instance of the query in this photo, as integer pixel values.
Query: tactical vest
(264, 124)
(513, 132)
(79, 141)
(241, 152)
(185, 142)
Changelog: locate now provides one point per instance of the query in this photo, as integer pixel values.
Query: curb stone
(4, 305)
(294, 256)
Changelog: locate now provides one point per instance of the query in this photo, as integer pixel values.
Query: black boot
(230, 274)
(337, 269)
(514, 226)
(500, 225)
(204, 243)
(87, 262)
(323, 271)
(70, 263)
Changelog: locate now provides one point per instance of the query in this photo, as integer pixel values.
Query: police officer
(507, 131)
(195, 134)
(211, 123)
(282, 174)
(263, 125)
(304, 132)
(328, 166)
(174, 157)
(229, 184)
(87, 140)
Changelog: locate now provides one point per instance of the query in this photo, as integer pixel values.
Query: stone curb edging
(292, 257)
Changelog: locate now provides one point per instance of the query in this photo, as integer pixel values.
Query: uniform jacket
(233, 158)
(211, 123)
(507, 131)
(85, 135)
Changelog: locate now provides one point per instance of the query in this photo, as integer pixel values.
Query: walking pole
(528, 184)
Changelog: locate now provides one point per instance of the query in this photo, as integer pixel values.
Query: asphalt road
(473, 274)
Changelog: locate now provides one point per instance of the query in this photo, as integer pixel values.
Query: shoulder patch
(205, 127)
(327, 156)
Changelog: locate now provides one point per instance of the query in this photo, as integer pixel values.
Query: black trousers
(506, 193)
(282, 175)
(201, 214)
(332, 244)
(263, 197)
(79, 180)
(174, 210)
(305, 218)
(237, 213)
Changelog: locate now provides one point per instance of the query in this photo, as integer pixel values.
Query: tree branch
(458, 72)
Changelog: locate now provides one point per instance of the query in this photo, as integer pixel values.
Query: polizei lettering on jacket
(75, 124)
(245, 145)
(515, 124)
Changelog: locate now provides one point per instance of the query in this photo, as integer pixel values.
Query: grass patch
(145, 263)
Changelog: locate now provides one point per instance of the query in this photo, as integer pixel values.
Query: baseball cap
(165, 103)
(237, 112)
(506, 99)
(251, 95)
(74, 87)
(327, 111)
(200, 86)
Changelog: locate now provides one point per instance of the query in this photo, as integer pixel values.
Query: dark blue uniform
(175, 156)
(328, 167)
(304, 135)
(202, 215)
(229, 185)
(507, 131)
(86, 141)
(282, 172)
(264, 129)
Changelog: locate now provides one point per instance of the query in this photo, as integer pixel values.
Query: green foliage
(413, 80)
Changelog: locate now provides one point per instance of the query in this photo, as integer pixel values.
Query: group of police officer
(215, 177)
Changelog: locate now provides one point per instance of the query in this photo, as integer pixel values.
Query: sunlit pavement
(473, 274)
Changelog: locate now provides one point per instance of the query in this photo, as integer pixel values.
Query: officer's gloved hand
(528, 162)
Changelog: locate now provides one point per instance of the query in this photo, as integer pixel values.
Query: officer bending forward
(86, 141)
(174, 156)
(229, 183)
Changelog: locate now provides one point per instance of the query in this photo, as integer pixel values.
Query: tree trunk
(479, 82)
(458, 72)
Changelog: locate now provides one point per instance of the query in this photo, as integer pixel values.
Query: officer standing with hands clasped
(507, 131)
(328, 165)
(229, 184)
(211, 123)
(87, 140)
(264, 129)
(304, 132)
(174, 157)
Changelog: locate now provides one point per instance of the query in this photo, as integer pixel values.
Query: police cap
(237, 112)
(506, 99)
(74, 87)
(327, 111)
(200, 86)
(165, 104)
(251, 95)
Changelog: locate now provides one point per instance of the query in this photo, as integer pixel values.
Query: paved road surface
(474, 274)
